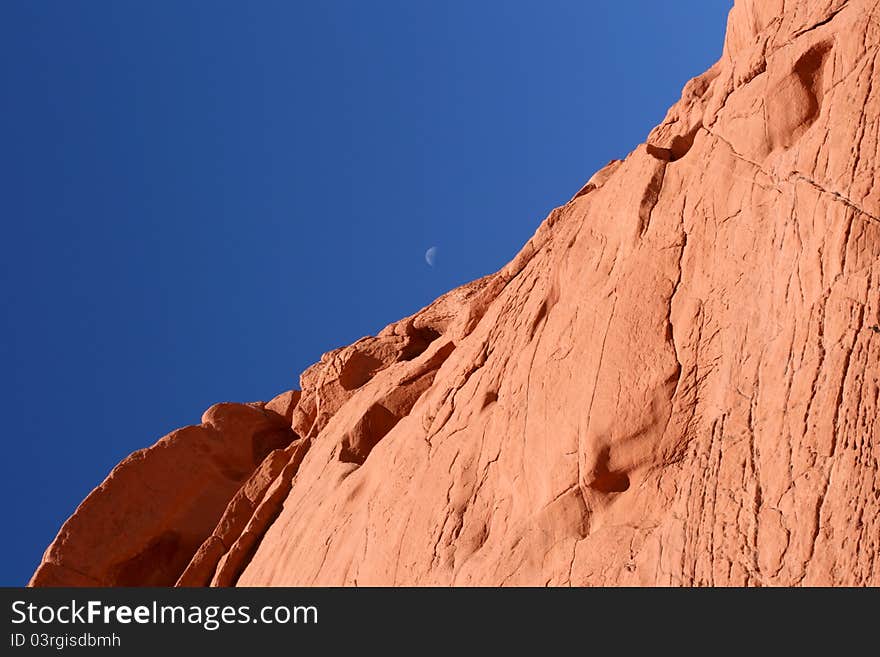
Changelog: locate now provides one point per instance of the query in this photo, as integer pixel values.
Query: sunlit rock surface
(674, 383)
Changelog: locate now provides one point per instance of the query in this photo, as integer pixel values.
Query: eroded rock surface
(676, 382)
(142, 526)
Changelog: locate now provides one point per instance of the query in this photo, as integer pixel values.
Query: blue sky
(199, 198)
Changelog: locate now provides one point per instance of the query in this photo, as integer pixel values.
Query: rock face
(676, 381)
(143, 524)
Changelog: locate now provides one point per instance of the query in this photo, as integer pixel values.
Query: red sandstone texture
(675, 382)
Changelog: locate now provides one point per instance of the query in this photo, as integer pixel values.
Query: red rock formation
(143, 524)
(675, 382)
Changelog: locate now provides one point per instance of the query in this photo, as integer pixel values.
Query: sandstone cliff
(676, 381)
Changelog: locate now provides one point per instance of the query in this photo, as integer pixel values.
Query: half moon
(431, 256)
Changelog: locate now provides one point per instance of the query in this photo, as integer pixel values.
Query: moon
(431, 256)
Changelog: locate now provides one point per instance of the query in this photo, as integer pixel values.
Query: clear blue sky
(199, 198)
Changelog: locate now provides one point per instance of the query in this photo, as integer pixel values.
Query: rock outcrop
(142, 526)
(676, 381)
